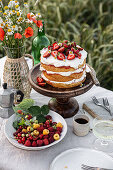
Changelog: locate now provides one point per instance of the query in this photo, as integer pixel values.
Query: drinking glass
(103, 130)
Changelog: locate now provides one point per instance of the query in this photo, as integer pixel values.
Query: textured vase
(16, 72)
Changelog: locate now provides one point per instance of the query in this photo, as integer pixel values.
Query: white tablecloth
(12, 158)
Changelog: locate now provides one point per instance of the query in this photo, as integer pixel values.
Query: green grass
(89, 23)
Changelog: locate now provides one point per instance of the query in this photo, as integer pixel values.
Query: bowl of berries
(34, 127)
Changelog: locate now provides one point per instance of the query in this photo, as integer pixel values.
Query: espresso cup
(81, 125)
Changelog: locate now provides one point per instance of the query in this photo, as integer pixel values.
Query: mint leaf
(45, 109)
(21, 123)
(15, 124)
(34, 110)
(40, 118)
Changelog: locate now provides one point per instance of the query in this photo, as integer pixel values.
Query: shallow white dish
(73, 159)
(9, 130)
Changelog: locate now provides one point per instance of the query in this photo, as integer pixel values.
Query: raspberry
(39, 142)
(41, 136)
(40, 129)
(46, 142)
(48, 117)
(54, 123)
(51, 133)
(51, 129)
(59, 129)
(27, 143)
(46, 136)
(51, 139)
(34, 144)
(58, 132)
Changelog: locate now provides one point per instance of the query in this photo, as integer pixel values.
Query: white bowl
(9, 130)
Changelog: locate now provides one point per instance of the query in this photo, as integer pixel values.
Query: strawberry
(54, 53)
(61, 56)
(34, 144)
(47, 122)
(55, 46)
(46, 54)
(30, 138)
(46, 142)
(67, 52)
(65, 41)
(19, 111)
(65, 45)
(61, 50)
(29, 117)
(39, 80)
(39, 142)
(71, 56)
(27, 143)
(42, 84)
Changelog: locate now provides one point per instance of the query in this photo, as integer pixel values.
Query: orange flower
(28, 32)
(2, 33)
(39, 23)
(29, 16)
(17, 36)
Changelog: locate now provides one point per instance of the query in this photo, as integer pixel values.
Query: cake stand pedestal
(62, 100)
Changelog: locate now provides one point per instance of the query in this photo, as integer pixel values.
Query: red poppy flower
(39, 23)
(28, 32)
(2, 33)
(28, 15)
(17, 36)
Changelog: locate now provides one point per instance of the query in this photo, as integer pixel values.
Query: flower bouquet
(15, 28)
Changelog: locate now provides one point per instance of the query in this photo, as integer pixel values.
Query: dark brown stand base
(66, 107)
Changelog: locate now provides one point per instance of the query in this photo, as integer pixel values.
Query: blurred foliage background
(88, 22)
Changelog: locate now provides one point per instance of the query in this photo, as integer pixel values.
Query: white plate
(73, 159)
(9, 130)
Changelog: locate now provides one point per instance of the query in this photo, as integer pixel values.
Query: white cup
(81, 125)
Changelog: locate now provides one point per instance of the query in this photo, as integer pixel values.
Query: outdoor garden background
(88, 22)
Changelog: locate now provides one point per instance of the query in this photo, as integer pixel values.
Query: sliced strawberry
(61, 50)
(80, 49)
(39, 80)
(67, 52)
(46, 54)
(79, 56)
(55, 46)
(49, 47)
(61, 56)
(54, 53)
(65, 45)
(42, 84)
(65, 41)
(71, 56)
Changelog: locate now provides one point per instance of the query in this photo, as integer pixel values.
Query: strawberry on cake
(63, 65)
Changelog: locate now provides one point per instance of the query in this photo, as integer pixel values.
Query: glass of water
(103, 130)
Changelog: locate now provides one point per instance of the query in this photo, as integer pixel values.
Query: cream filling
(67, 82)
(59, 63)
(63, 73)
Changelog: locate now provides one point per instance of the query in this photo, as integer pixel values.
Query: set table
(12, 158)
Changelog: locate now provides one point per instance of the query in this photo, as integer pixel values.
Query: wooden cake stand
(62, 101)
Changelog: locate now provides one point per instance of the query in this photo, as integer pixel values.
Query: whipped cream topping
(63, 73)
(59, 63)
(67, 82)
